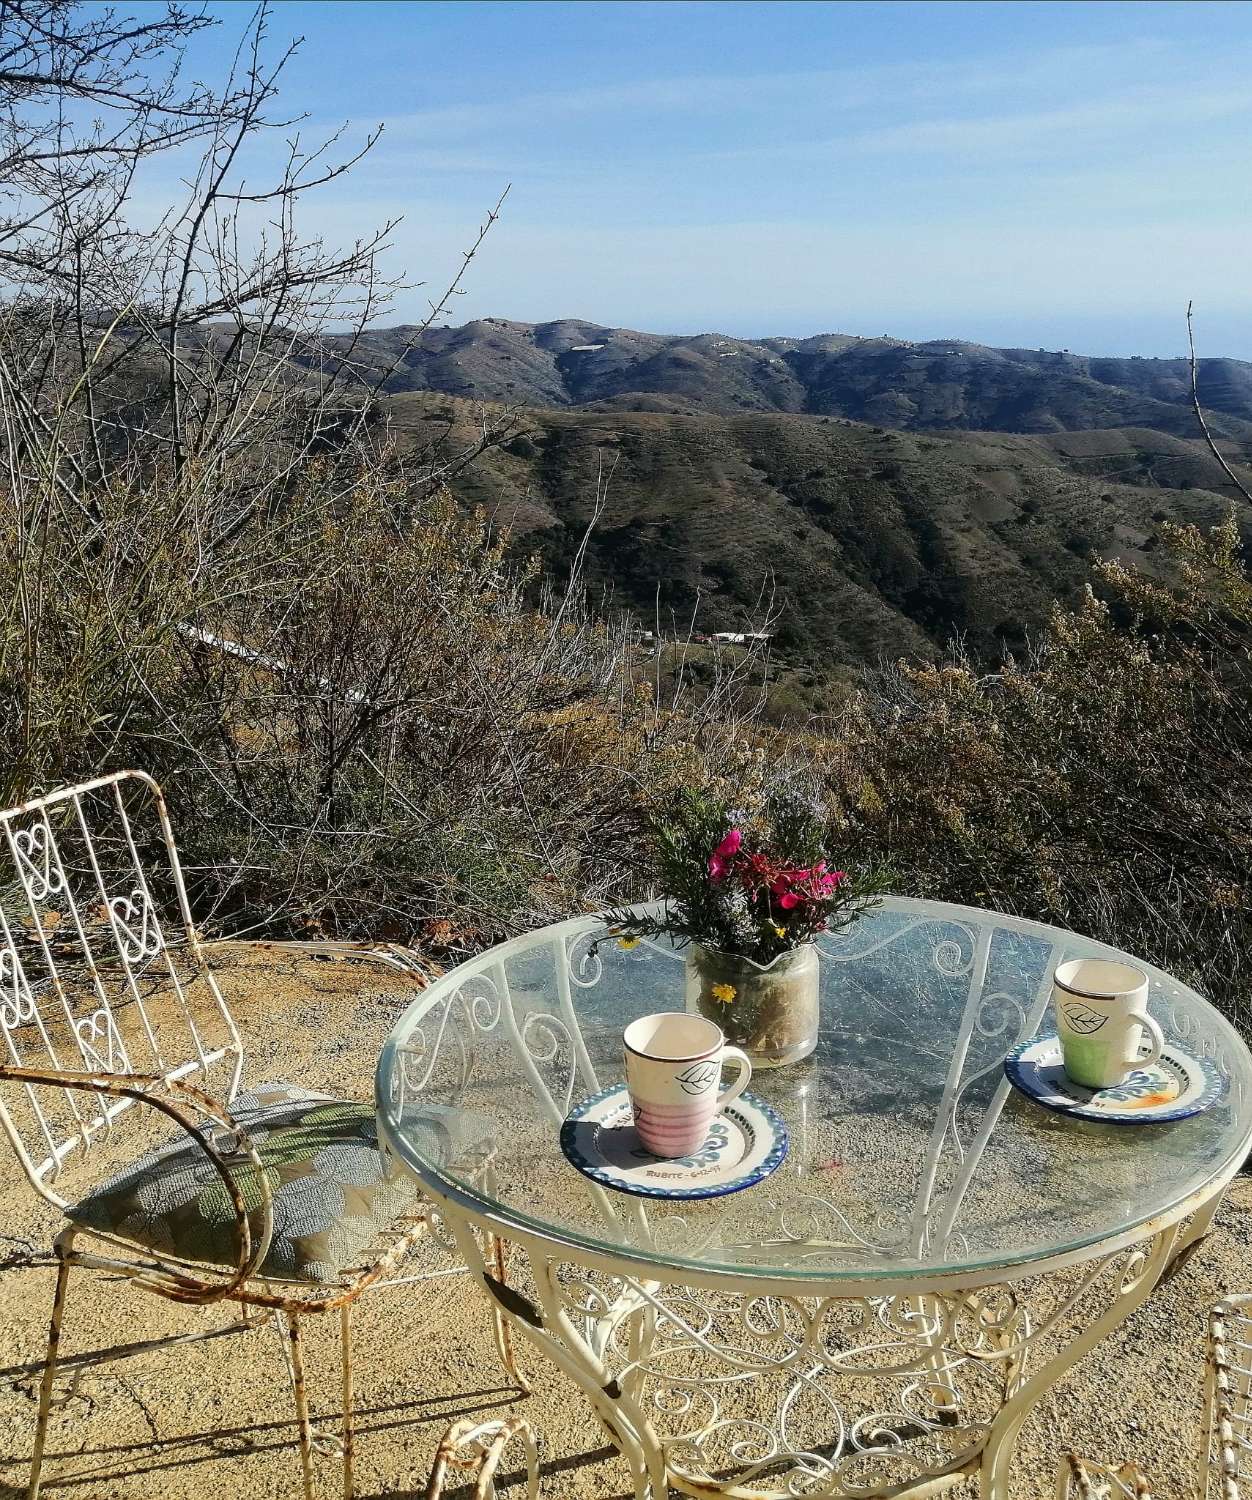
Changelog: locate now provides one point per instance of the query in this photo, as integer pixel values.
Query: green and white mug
(1101, 1017)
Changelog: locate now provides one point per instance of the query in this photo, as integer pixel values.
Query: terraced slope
(878, 543)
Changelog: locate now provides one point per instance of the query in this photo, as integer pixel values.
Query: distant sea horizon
(1217, 336)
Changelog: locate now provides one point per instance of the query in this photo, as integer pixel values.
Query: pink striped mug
(673, 1071)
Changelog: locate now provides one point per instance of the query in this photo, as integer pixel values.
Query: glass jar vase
(770, 1010)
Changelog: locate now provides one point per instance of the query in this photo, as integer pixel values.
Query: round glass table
(880, 1315)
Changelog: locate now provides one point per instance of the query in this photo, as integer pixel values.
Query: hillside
(944, 385)
(878, 543)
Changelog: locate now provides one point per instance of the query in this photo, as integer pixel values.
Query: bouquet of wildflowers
(753, 883)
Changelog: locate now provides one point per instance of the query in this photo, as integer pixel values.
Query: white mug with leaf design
(1101, 1018)
(674, 1076)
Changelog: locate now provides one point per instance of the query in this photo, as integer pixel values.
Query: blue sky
(1056, 174)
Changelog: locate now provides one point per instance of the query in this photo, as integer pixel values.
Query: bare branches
(1204, 426)
(84, 91)
(193, 453)
(240, 330)
(437, 309)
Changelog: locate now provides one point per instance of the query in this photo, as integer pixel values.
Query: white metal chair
(477, 1448)
(1225, 1458)
(107, 1002)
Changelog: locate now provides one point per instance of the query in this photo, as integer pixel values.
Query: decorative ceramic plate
(745, 1143)
(1174, 1087)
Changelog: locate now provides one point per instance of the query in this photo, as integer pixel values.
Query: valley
(870, 543)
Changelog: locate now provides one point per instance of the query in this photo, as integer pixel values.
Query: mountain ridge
(935, 385)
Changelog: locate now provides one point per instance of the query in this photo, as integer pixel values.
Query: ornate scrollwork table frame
(844, 1345)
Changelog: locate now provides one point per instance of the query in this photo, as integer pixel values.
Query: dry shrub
(1104, 783)
(365, 722)
(211, 564)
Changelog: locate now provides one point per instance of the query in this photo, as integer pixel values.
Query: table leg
(1137, 1272)
(1192, 1234)
(547, 1326)
(618, 1339)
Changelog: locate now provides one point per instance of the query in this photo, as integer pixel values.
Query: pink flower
(825, 881)
(784, 886)
(796, 886)
(723, 857)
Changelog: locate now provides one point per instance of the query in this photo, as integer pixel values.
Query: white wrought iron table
(880, 1316)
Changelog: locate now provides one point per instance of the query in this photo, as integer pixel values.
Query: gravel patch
(213, 1419)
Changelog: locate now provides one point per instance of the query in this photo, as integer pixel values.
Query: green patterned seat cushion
(331, 1190)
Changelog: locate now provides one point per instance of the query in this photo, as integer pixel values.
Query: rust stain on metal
(87, 914)
(485, 1442)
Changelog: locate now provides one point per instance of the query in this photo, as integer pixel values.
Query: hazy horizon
(905, 335)
(1064, 175)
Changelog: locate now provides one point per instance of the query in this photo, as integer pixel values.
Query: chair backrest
(101, 969)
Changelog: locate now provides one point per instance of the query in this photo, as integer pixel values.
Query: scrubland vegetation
(372, 719)
(1099, 783)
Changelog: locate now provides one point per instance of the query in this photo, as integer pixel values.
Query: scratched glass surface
(909, 1151)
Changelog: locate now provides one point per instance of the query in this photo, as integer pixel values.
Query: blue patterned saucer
(745, 1143)
(1174, 1087)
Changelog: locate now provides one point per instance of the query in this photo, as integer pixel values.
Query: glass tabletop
(909, 1152)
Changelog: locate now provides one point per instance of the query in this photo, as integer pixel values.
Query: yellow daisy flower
(780, 931)
(628, 943)
(723, 993)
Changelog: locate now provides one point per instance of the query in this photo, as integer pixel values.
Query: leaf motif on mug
(1082, 1019)
(697, 1079)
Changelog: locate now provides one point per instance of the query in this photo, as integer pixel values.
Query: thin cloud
(841, 89)
(1009, 132)
(982, 137)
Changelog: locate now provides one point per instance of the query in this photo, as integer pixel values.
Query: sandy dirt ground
(212, 1420)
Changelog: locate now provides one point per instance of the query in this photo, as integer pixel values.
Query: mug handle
(1158, 1041)
(737, 1086)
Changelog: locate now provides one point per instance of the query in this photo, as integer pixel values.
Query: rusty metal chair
(1089, 1479)
(110, 1013)
(1225, 1458)
(476, 1448)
